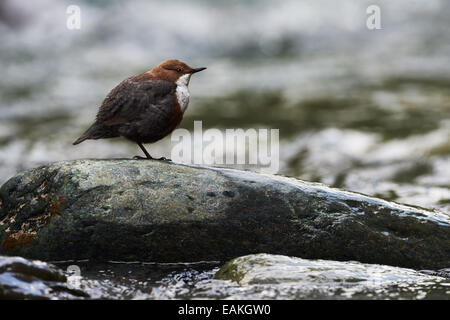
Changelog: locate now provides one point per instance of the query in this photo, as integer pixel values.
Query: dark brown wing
(132, 100)
(136, 104)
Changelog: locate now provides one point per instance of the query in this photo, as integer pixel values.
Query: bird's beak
(197, 70)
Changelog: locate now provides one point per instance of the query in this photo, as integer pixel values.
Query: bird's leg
(148, 156)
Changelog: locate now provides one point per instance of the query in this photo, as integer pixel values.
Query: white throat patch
(182, 91)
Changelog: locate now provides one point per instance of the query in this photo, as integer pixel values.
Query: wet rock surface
(25, 279)
(156, 211)
(260, 276)
(274, 276)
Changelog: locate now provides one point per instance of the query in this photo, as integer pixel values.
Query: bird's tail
(81, 139)
(89, 134)
(98, 131)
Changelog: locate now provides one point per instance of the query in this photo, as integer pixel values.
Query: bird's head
(175, 71)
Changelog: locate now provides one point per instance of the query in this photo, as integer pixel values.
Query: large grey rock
(158, 211)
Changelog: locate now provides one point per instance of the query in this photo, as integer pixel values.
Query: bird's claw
(141, 158)
(145, 158)
(164, 159)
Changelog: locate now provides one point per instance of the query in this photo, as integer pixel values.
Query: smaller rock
(25, 279)
(440, 273)
(282, 277)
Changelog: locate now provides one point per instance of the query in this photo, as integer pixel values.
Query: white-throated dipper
(146, 107)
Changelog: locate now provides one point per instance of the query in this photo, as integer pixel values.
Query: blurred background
(365, 110)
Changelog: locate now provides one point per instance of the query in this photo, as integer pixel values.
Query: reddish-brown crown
(171, 70)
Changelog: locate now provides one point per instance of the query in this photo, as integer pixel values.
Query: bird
(144, 108)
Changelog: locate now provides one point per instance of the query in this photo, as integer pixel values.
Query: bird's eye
(179, 69)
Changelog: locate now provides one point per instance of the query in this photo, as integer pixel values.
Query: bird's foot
(145, 158)
(141, 158)
(163, 159)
